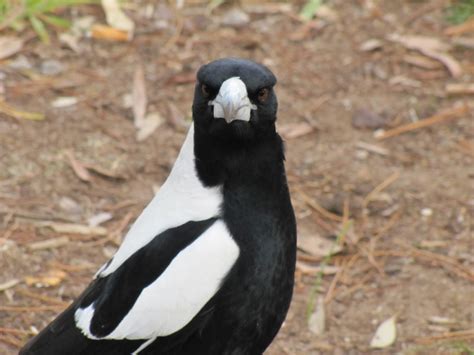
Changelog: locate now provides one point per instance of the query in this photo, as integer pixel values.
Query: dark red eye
(205, 90)
(263, 95)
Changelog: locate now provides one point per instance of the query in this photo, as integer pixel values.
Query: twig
(10, 340)
(380, 187)
(446, 115)
(459, 335)
(43, 298)
(21, 309)
(14, 331)
(315, 206)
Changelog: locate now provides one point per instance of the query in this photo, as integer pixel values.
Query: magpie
(208, 266)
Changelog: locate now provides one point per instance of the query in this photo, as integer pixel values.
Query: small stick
(10, 340)
(14, 331)
(446, 115)
(31, 309)
(459, 335)
(315, 206)
(43, 298)
(380, 187)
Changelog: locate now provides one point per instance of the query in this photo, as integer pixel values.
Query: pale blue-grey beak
(232, 101)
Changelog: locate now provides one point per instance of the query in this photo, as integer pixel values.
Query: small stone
(51, 67)
(426, 212)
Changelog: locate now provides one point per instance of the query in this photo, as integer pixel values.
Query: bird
(208, 266)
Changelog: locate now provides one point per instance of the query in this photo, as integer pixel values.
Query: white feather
(181, 199)
(188, 283)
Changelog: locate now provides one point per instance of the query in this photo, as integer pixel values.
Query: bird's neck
(256, 162)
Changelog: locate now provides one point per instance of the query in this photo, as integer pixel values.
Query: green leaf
(40, 29)
(309, 9)
(56, 21)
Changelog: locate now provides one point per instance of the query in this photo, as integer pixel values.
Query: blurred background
(376, 109)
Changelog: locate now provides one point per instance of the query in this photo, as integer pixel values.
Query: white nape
(173, 300)
(181, 199)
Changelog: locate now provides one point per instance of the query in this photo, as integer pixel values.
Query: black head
(234, 99)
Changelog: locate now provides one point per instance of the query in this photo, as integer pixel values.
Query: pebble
(51, 67)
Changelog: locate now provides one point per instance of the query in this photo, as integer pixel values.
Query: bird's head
(234, 99)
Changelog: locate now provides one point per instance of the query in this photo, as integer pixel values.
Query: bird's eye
(262, 95)
(205, 90)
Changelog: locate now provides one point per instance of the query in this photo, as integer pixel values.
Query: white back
(181, 199)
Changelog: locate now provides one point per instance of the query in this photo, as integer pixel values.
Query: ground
(401, 207)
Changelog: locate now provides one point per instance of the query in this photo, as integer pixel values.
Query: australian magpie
(208, 267)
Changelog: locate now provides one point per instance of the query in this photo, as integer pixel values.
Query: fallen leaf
(9, 46)
(78, 168)
(422, 62)
(371, 45)
(327, 13)
(317, 246)
(430, 47)
(151, 122)
(420, 42)
(368, 119)
(71, 228)
(15, 113)
(385, 334)
(403, 80)
(99, 218)
(182, 79)
(235, 17)
(139, 99)
(109, 33)
(317, 320)
(9, 284)
(295, 130)
(49, 243)
(64, 101)
(104, 172)
(50, 279)
(116, 18)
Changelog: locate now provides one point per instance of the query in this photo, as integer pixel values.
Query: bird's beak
(232, 101)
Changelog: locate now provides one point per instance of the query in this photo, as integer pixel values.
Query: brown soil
(410, 250)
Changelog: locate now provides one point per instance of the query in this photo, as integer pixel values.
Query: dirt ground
(401, 207)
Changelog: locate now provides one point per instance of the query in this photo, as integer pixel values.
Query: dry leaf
(49, 243)
(385, 334)
(78, 168)
(64, 101)
(371, 45)
(116, 18)
(295, 130)
(111, 174)
(420, 42)
(317, 246)
(317, 320)
(9, 46)
(74, 228)
(9, 284)
(109, 33)
(139, 99)
(99, 218)
(430, 47)
(176, 118)
(151, 122)
(50, 279)
(422, 62)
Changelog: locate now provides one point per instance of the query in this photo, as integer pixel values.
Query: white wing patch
(181, 199)
(188, 283)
